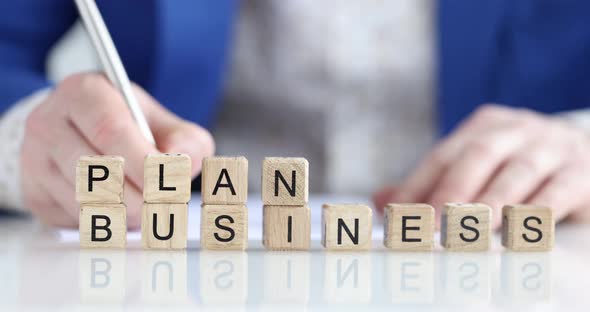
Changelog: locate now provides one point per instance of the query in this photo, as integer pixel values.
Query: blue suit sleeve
(28, 29)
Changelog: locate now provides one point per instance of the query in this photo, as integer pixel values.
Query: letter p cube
(99, 190)
(99, 179)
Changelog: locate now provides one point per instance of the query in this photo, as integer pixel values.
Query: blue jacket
(526, 53)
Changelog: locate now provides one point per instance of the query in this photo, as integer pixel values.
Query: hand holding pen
(90, 114)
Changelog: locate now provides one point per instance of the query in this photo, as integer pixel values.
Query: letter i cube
(166, 193)
(224, 215)
(99, 191)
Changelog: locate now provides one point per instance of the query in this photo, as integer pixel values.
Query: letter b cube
(103, 226)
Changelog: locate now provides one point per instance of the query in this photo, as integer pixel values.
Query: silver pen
(111, 62)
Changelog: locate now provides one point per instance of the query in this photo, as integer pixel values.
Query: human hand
(501, 155)
(86, 115)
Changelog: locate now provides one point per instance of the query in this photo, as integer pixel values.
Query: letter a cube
(225, 181)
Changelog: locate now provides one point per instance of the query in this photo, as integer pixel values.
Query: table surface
(44, 269)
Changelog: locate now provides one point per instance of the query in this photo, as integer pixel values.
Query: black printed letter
(104, 227)
(228, 184)
(92, 178)
(220, 226)
(354, 238)
(526, 225)
(291, 189)
(155, 228)
(161, 178)
(410, 228)
(474, 230)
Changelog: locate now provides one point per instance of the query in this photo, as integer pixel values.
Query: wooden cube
(466, 227)
(167, 178)
(346, 226)
(103, 226)
(100, 179)
(224, 227)
(225, 181)
(528, 228)
(409, 227)
(164, 226)
(286, 227)
(285, 181)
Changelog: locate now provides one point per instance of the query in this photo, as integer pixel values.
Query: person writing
(373, 99)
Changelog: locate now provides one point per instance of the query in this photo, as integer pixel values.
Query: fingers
(558, 190)
(520, 177)
(86, 115)
(383, 197)
(474, 166)
(37, 197)
(70, 147)
(419, 185)
(100, 114)
(175, 135)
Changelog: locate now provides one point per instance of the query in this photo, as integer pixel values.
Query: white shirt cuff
(12, 130)
(580, 118)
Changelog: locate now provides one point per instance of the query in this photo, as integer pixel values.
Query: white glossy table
(44, 269)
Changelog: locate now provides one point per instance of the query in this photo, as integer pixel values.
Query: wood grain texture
(409, 227)
(224, 227)
(286, 227)
(171, 226)
(336, 218)
(528, 228)
(93, 186)
(230, 174)
(110, 222)
(285, 181)
(466, 227)
(167, 178)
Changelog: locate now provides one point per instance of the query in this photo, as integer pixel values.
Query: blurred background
(363, 89)
(348, 85)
